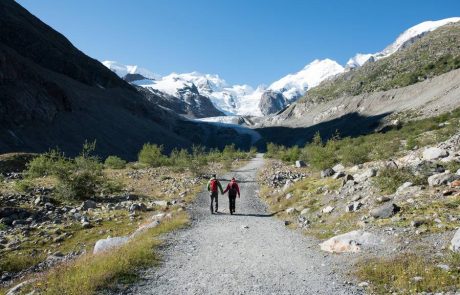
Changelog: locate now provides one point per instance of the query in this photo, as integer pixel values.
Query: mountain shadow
(352, 124)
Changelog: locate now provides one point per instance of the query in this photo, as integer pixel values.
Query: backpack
(233, 191)
(213, 185)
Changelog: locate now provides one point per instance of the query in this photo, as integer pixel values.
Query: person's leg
(217, 201)
(233, 203)
(230, 204)
(212, 200)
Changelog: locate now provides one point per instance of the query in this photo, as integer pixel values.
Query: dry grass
(397, 275)
(91, 272)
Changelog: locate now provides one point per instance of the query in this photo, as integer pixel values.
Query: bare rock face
(272, 102)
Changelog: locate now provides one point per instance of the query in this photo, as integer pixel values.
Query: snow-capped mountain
(294, 85)
(244, 100)
(123, 70)
(405, 38)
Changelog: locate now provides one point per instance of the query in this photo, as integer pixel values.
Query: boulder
(338, 175)
(161, 203)
(305, 211)
(355, 206)
(291, 211)
(434, 153)
(327, 172)
(442, 178)
(353, 242)
(109, 243)
(455, 242)
(328, 209)
(88, 204)
(137, 207)
(455, 183)
(338, 168)
(366, 174)
(300, 163)
(404, 186)
(145, 227)
(385, 211)
(288, 196)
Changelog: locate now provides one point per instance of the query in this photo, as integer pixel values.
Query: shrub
(23, 185)
(389, 179)
(351, 154)
(152, 155)
(115, 162)
(78, 178)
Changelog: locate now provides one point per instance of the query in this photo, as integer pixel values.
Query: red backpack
(213, 185)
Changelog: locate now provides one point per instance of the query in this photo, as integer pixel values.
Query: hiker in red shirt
(233, 190)
(213, 186)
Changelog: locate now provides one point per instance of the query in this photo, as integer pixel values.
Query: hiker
(233, 190)
(213, 186)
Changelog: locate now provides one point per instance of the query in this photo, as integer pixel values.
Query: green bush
(389, 179)
(152, 155)
(78, 178)
(115, 162)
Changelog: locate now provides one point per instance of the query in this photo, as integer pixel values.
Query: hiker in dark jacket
(213, 186)
(233, 189)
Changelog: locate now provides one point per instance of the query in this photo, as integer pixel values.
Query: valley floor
(247, 253)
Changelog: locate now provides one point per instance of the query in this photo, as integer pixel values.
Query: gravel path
(247, 253)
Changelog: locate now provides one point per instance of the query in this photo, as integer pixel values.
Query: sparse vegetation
(322, 154)
(115, 162)
(91, 272)
(411, 274)
(389, 179)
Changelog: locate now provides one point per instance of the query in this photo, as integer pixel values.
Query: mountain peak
(408, 35)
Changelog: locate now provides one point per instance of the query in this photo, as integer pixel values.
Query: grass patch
(397, 274)
(92, 272)
(14, 263)
(389, 180)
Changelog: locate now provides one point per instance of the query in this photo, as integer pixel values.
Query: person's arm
(209, 185)
(238, 189)
(220, 187)
(226, 189)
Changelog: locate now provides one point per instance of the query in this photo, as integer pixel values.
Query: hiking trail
(250, 252)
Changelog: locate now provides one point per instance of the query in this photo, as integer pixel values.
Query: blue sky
(244, 41)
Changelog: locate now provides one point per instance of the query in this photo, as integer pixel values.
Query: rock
(455, 242)
(443, 267)
(363, 285)
(382, 199)
(88, 204)
(327, 172)
(442, 178)
(355, 206)
(161, 203)
(338, 175)
(328, 209)
(458, 172)
(416, 279)
(404, 186)
(417, 223)
(109, 243)
(137, 207)
(368, 173)
(291, 211)
(305, 211)
(434, 153)
(356, 198)
(288, 196)
(391, 165)
(287, 222)
(145, 227)
(338, 168)
(353, 242)
(17, 289)
(39, 200)
(455, 183)
(86, 224)
(288, 184)
(244, 227)
(385, 211)
(300, 163)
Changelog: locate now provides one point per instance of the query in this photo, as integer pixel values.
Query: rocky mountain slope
(52, 94)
